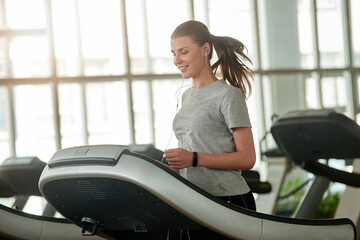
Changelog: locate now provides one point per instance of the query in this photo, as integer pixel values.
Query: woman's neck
(203, 80)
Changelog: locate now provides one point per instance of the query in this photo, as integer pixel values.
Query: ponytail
(231, 59)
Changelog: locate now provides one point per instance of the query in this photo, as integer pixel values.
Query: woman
(213, 127)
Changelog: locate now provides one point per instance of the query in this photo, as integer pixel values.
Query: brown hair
(230, 54)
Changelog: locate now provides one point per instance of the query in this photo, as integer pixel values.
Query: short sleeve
(234, 110)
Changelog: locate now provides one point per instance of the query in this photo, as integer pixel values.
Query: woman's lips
(182, 68)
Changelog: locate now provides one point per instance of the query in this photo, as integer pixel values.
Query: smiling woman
(213, 127)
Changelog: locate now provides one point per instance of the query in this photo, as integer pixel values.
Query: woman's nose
(177, 59)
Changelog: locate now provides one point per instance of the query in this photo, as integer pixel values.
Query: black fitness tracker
(195, 159)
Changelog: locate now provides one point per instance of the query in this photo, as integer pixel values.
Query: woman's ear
(206, 47)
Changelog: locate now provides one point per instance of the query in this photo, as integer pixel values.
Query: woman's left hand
(179, 158)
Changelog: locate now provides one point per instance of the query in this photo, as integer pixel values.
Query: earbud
(206, 52)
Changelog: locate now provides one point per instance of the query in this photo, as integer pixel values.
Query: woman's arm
(243, 158)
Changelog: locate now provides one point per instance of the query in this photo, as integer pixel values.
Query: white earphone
(206, 52)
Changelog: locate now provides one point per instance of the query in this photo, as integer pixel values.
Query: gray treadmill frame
(150, 175)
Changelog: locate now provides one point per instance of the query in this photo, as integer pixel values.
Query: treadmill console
(92, 154)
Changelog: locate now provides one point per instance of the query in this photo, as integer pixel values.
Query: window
(331, 42)
(66, 38)
(239, 15)
(28, 44)
(29, 57)
(160, 29)
(137, 37)
(355, 23)
(2, 58)
(306, 38)
(34, 121)
(143, 112)
(22, 18)
(101, 37)
(73, 131)
(149, 29)
(333, 92)
(107, 113)
(4, 134)
(311, 90)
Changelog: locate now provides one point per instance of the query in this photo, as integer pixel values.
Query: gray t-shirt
(204, 125)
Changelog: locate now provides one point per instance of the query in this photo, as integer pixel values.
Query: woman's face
(189, 57)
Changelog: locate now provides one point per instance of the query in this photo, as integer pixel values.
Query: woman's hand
(243, 158)
(176, 170)
(178, 158)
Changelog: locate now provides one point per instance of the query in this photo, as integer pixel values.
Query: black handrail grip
(350, 179)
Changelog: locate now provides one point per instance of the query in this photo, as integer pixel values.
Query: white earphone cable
(177, 96)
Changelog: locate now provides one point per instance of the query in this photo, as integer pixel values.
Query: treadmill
(309, 136)
(112, 192)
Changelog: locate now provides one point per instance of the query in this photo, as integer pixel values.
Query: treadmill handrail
(336, 175)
